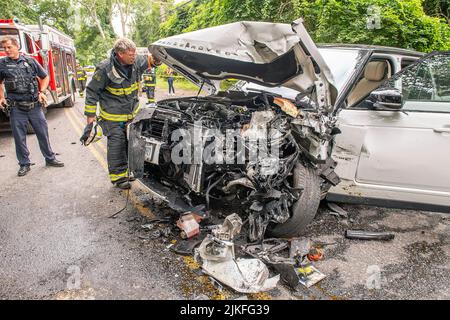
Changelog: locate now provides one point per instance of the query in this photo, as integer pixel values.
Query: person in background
(149, 79)
(170, 79)
(81, 78)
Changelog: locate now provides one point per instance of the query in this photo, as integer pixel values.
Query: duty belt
(27, 105)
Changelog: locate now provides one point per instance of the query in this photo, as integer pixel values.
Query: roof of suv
(372, 47)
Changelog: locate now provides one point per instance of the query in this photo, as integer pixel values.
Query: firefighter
(81, 78)
(149, 79)
(114, 86)
(25, 82)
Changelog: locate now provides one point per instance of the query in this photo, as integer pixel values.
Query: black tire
(305, 209)
(70, 101)
(30, 129)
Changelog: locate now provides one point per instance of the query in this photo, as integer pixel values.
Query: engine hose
(209, 189)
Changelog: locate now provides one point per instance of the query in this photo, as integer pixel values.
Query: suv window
(406, 62)
(426, 86)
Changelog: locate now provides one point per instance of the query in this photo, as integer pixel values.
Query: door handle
(441, 130)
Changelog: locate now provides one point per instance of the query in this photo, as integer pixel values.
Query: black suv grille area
(159, 129)
(155, 128)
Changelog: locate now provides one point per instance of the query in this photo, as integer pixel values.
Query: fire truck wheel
(69, 102)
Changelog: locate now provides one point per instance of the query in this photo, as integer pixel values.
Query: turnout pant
(117, 149)
(150, 94)
(19, 122)
(82, 84)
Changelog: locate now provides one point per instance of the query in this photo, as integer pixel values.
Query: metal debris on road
(186, 247)
(148, 226)
(337, 210)
(230, 228)
(299, 247)
(309, 275)
(368, 235)
(213, 248)
(215, 284)
(189, 225)
(292, 263)
(242, 275)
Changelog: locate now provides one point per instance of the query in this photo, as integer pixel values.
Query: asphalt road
(57, 242)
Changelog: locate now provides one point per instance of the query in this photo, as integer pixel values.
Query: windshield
(8, 32)
(341, 61)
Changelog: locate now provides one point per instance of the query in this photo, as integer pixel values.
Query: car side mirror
(386, 99)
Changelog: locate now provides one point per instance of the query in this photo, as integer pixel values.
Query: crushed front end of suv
(260, 155)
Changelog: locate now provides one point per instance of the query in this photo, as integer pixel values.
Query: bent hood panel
(271, 54)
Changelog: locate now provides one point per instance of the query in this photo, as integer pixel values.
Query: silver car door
(400, 155)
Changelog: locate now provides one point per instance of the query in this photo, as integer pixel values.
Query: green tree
(24, 10)
(95, 36)
(58, 12)
(146, 24)
(437, 8)
(91, 46)
(403, 23)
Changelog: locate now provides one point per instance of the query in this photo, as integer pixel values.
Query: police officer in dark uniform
(24, 82)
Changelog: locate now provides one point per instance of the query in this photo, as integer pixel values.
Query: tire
(305, 209)
(70, 101)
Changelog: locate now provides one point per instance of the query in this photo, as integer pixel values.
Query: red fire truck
(54, 50)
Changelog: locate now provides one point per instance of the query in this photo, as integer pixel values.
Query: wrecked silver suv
(260, 155)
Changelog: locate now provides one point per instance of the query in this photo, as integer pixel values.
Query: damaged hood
(271, 54)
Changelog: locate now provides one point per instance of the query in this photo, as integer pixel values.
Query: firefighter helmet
(92, 133)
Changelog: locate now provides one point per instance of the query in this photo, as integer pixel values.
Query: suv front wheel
(305, 208)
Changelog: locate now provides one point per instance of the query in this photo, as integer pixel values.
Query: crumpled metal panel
(250, 51)
(243, 275)
(230, 228)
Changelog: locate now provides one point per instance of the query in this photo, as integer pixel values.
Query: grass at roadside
(161, 83)
(182, 84)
